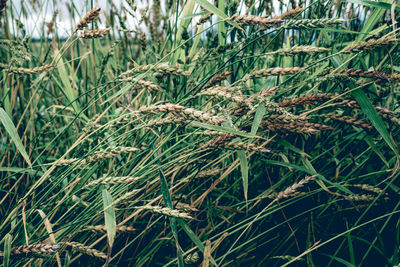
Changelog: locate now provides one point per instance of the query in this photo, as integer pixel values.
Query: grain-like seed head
(92, 34)
(86, 250)
(33, 249)
(166, 211)
(256, 20)
(312, 23)
(290, 13)
(88, 18)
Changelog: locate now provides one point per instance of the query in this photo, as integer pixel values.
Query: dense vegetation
(212, 134)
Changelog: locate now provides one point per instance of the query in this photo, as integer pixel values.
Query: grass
(212, 134)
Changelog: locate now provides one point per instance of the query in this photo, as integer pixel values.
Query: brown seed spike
(89, 17)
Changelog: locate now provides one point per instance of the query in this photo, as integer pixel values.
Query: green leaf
(20, 170)
(244, 168)
(109, 216)
(10, 128)
(374, 118)
(213, 9)
(168, 202)
(7, 250)
(257, 119)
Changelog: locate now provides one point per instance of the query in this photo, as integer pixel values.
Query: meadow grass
(216, 133)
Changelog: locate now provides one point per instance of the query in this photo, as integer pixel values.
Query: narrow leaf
(7, 250)
(10, 128)
(257, 119)
(109, 216)
(245, 171)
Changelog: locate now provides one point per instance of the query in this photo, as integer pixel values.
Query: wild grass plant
(205, 133)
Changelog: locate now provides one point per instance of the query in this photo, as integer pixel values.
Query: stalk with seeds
(92, 34)
(312, 23)
(35, 70)
(166, 211)
(290, 13)
(255, 20)
(76, 246)
(161, 68)
(371, 44)
(271, 71)
(88, 18)
(35, 249)
(348, 120)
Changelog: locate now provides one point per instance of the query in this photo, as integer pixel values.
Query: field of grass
(210, 133)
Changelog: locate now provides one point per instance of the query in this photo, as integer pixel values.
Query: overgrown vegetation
(223, 134)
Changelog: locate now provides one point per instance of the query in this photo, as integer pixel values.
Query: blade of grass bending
(10, 128)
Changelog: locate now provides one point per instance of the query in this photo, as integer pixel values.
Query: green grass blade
(12, 131)
(109, 216)
(374, 118)
(7, 250)
(257, 119)
(244, 168)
